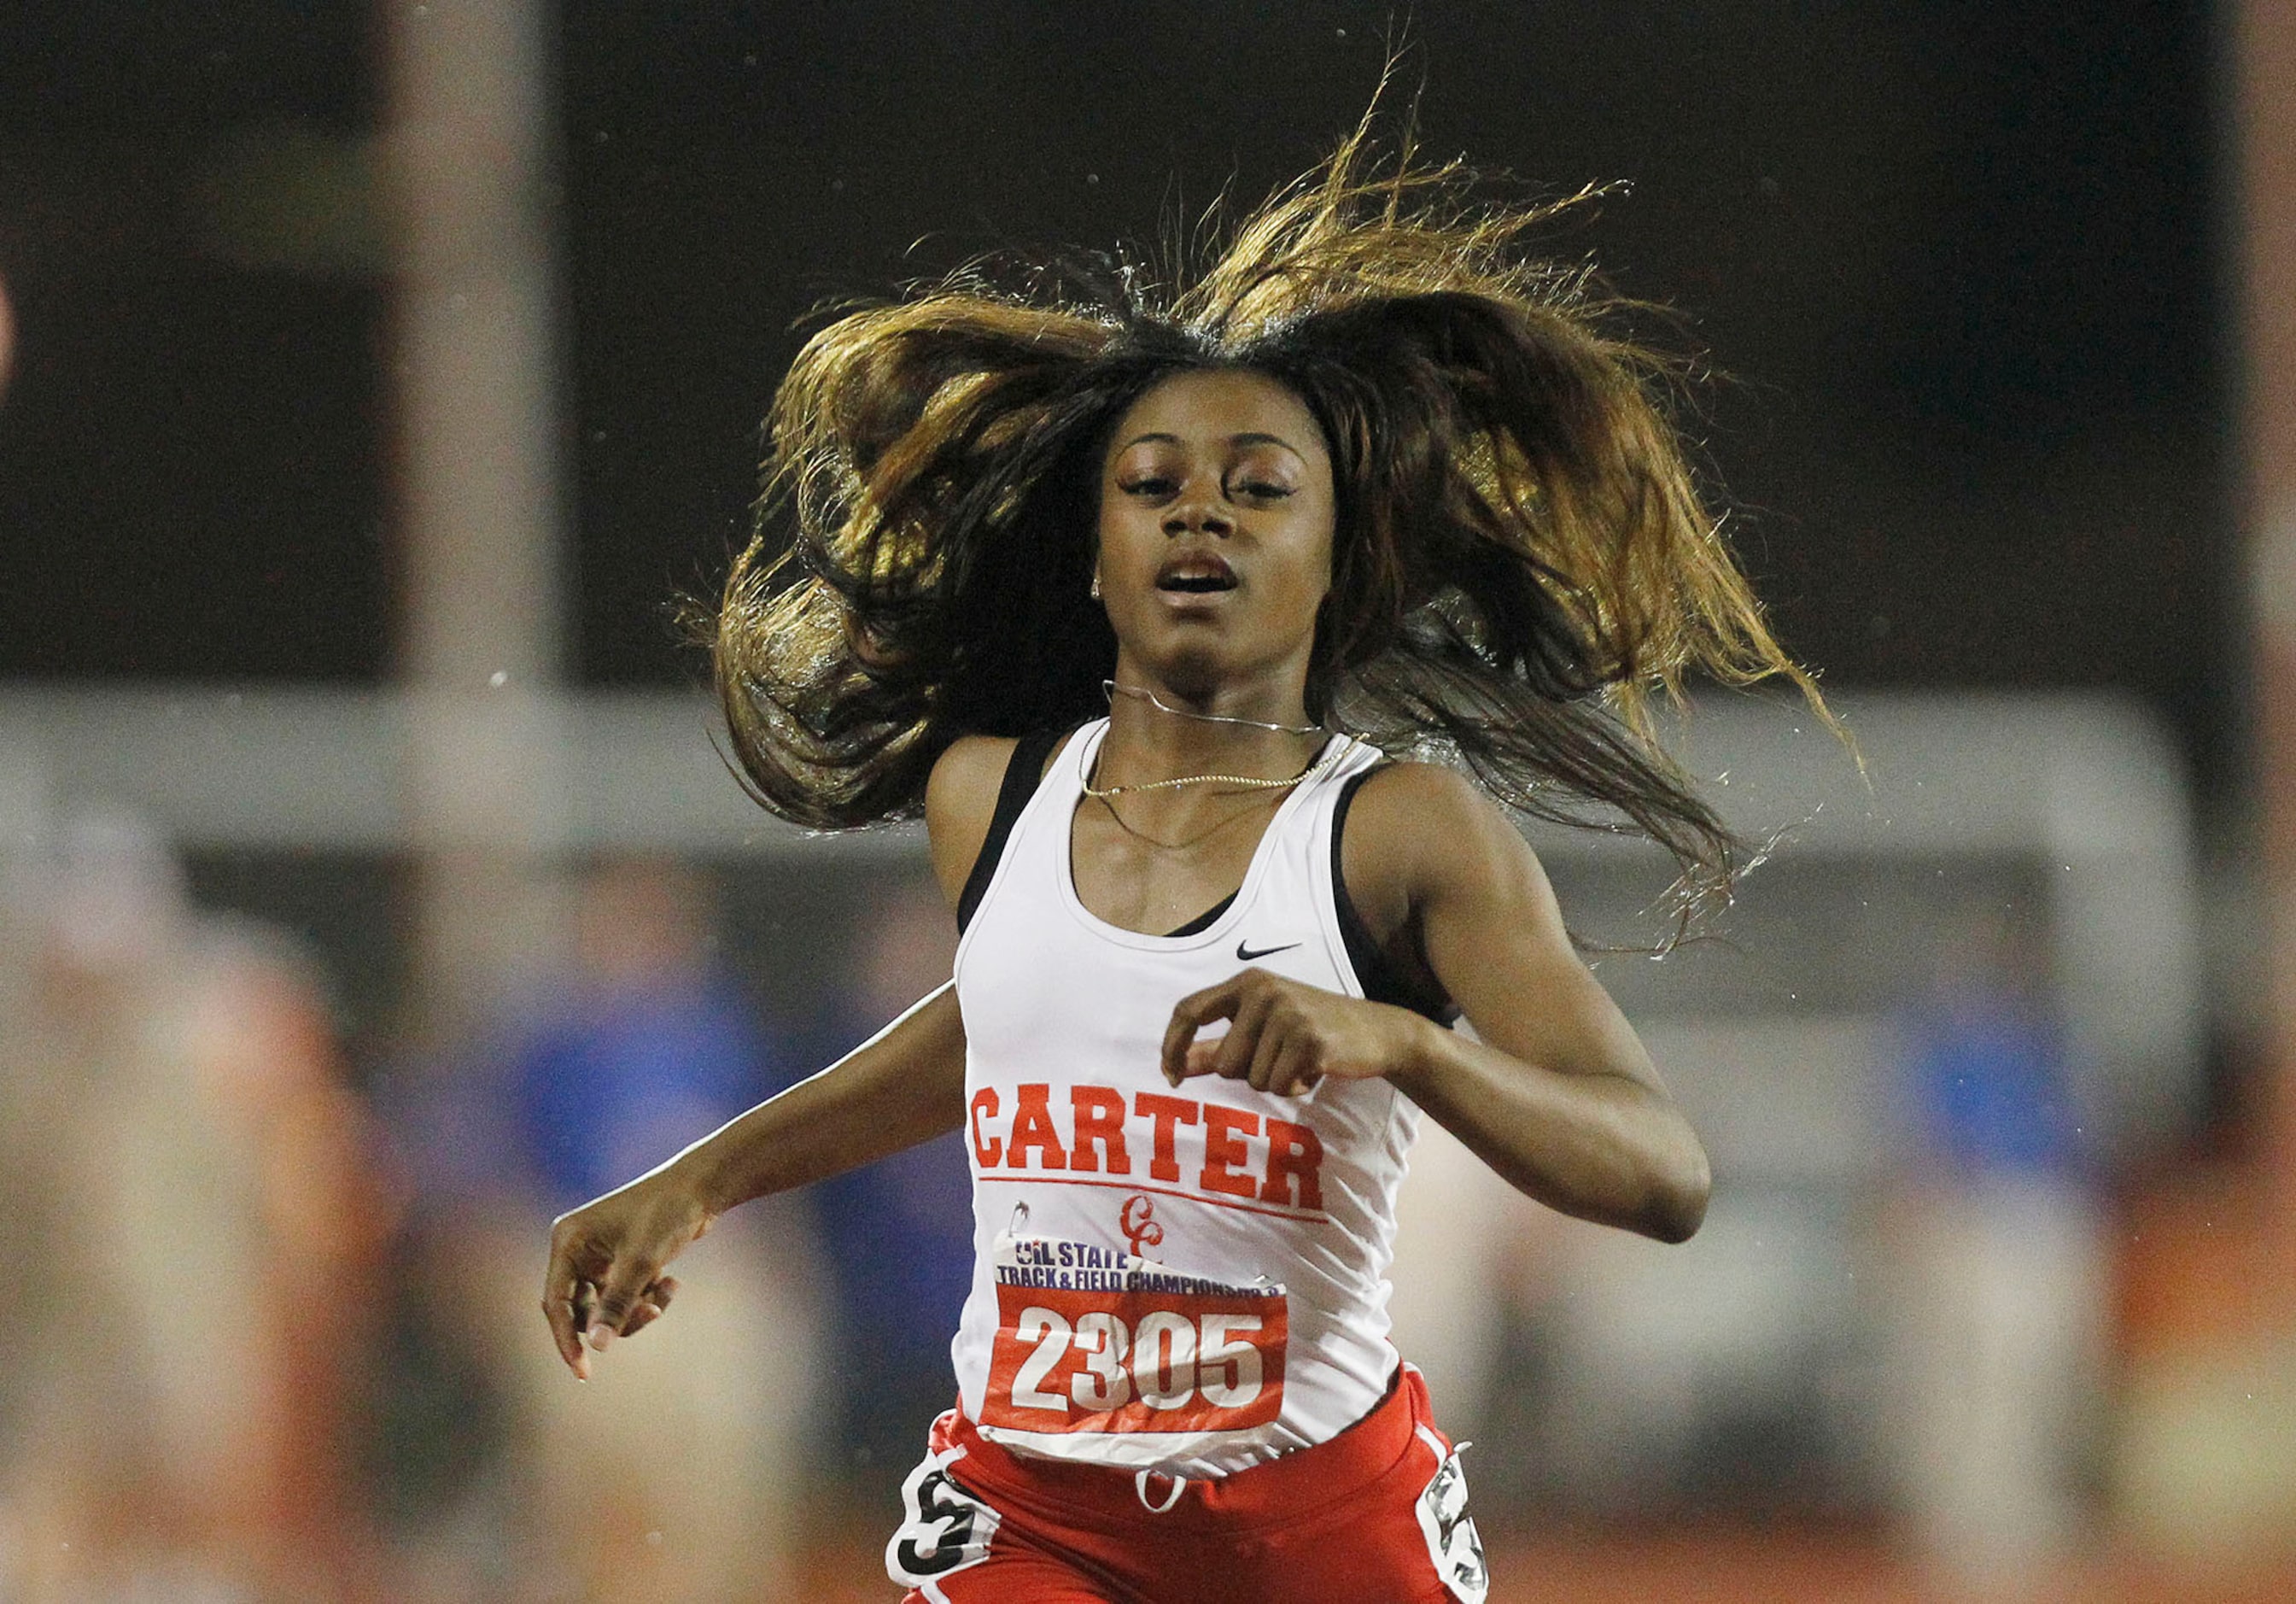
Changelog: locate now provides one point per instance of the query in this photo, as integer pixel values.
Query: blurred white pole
(2268, 197)
(2206, 1434)
(479, 532)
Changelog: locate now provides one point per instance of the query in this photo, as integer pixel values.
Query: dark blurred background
(1959, 262)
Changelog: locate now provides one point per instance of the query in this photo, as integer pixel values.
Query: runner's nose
(1195, 515)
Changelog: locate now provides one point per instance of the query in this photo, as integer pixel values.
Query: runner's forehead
(1226, 411)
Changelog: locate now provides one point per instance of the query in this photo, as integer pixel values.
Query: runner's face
(1216, 527)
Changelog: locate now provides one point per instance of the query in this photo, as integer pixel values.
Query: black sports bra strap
(1023, 772)
(1383, 979)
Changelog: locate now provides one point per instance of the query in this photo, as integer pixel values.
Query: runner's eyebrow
(1249, 438)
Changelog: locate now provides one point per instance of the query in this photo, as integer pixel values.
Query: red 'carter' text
(1245, 1157)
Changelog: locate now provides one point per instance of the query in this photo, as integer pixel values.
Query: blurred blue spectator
(1996, 1248)
(898, 1233)
(646, 1045)
(1985, 1090)
(694, 1439)
(653, 1047)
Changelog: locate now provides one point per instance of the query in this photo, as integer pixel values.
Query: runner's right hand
(606, 1260)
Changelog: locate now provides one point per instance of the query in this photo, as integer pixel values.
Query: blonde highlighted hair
(1523, 565)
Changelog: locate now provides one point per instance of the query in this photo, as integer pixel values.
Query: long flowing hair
(1524, 567)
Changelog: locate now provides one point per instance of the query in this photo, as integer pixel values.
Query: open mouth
(1195, 574)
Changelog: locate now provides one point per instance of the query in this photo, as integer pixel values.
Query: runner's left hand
(1285, 1035)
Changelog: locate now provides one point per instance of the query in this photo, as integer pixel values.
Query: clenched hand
(606, 1258)
(1284, 1035)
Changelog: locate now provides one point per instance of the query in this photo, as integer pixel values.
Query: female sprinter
(1135, 599)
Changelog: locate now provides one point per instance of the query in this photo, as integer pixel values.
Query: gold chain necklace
(1246, 781)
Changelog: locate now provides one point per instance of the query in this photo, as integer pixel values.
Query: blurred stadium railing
(2073, 806)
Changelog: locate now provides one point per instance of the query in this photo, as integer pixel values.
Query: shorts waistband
(1287, 1485)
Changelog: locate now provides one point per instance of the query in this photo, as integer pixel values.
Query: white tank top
(1191, 1279)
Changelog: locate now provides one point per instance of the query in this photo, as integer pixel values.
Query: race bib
(1093, 1339)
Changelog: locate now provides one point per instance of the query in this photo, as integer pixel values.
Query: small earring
(1095, 584)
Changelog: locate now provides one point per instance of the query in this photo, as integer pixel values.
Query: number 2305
(1139, 1370)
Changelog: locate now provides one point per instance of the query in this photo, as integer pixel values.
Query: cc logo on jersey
(1137, 1218)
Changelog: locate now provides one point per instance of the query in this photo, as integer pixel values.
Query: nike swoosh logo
(1247, 953)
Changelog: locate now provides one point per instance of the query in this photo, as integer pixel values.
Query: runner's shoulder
(1412, 823)
(961, 801)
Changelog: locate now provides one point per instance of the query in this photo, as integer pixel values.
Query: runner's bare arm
(1558, 1096)
(904, 1086)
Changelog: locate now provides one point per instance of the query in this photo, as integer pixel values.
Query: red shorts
(1378, 1515)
